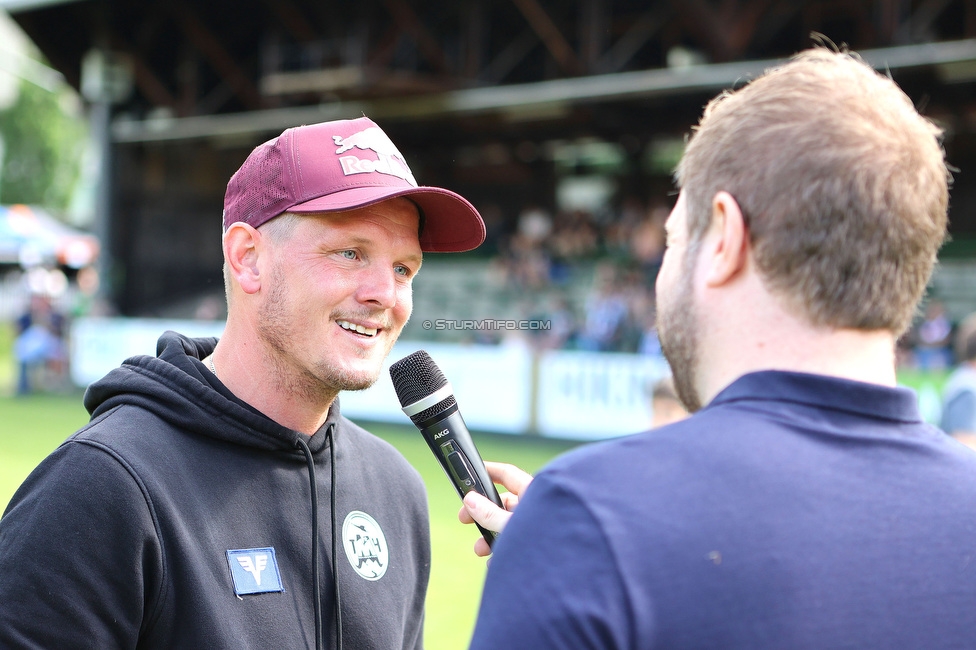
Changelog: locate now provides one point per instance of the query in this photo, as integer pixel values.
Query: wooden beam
(217, 56)
(510, 56)
(772, 23)
(632, 40)
(292, 18)
(918, 25)
(550, 35)
(145, 79)
(724, 31)
(147, 82)
(703, 22)
(187, 71)
(744, 23)
(474, 26)
(592, 32)
(382, 54)
(406, 18)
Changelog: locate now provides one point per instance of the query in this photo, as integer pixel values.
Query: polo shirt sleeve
(552, 581)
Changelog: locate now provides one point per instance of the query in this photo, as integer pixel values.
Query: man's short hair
(843, 186)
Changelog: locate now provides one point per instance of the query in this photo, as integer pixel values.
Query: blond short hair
(842, 183)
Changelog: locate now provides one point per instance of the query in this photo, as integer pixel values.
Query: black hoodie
(180, 517)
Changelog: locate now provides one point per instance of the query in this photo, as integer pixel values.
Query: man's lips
(359, 329)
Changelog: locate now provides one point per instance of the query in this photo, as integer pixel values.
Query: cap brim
(451, 223)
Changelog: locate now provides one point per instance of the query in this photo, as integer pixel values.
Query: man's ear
(241, 245)
(728, 242)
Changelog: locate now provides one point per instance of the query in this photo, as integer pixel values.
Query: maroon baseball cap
(342, 165)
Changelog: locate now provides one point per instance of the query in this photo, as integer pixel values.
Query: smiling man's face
(340, 292)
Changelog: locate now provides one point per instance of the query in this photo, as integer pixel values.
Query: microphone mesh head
(416, 376)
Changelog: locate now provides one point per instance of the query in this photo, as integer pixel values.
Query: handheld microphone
(428, 400)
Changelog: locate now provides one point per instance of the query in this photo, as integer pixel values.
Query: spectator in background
(495, 227)
(39, 346)
(606, 313)
(534, 225)
(639, 297)
(933, 338)
(619, 233)
(557, 328)
(647, 242)
(575, 236)
(525, 258)
(959, 394)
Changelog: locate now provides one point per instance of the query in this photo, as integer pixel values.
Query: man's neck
(786, 343)
(249, 375)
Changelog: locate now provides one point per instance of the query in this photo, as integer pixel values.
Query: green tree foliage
(42, 148)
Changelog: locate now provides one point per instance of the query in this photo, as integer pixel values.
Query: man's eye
(349, 255)
(401, 270)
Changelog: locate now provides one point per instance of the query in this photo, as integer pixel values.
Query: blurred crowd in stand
(929, 344)
(545, 252)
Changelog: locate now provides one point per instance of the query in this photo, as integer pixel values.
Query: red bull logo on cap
(389, 159)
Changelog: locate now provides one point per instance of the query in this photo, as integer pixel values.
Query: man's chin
(355, 386)
(357, 379)
(358, 372)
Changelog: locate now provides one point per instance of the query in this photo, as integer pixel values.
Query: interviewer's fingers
(485, 512)
(509, 500)
(481, 548)
(513, 478)
(479, 509)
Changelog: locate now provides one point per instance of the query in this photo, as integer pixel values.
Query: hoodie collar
(177, 387)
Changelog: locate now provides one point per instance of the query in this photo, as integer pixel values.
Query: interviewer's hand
(478, 508)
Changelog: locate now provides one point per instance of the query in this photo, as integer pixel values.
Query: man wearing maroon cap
(218, 498)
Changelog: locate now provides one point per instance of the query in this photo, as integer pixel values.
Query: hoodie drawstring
(316, 585)
(335, 551)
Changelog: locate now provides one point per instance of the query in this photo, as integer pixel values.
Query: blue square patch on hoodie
(255, 570)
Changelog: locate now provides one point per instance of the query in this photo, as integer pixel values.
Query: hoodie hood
(177, 387)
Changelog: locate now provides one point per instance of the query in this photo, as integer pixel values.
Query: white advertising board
(99, 345)
(595, 395)
(491, 385)
(568, 394)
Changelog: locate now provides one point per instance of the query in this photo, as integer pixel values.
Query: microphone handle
(449, 440)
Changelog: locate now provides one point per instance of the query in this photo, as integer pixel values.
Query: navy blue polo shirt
(794, 511)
